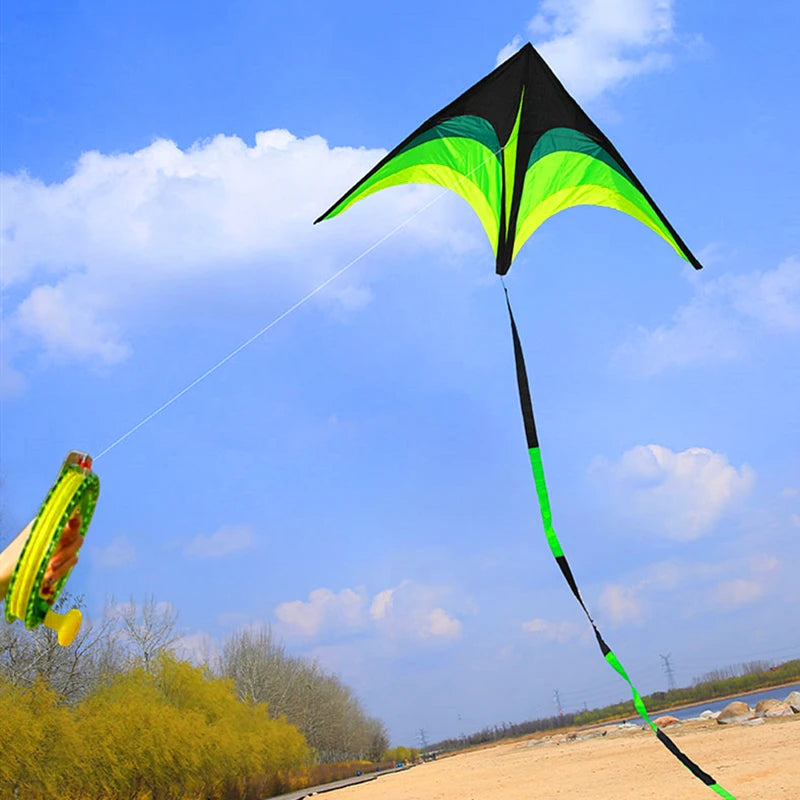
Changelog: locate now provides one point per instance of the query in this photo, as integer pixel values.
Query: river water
(717, 705)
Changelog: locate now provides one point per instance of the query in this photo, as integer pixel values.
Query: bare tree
(147, 629)
(318, 703)
(70, 671)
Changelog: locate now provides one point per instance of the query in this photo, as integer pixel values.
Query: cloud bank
(409, 611)
(163, 228)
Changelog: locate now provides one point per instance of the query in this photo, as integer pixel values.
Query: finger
(68, 539)
(71, 538)
(55, 573)
(63, 554)
(65, 568)
(68, 545)
(72, 530)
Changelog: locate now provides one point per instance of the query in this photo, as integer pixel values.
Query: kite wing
(518, 149)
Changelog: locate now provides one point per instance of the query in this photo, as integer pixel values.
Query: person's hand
(65, 556)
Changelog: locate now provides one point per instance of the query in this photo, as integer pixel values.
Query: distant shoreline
(795, 682)
(666, 710)
(625, 717)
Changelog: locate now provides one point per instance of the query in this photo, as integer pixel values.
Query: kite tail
(555, 547)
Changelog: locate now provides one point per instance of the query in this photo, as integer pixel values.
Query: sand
(759, 762)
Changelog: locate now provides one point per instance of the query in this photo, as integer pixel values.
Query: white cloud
(440, 624)
(119, 552)
(412, 611)
(552, 631)
(127, 233)
(622, 603)
(680, 495)
(382, 604)
(407, 612)
(509, 49)
(229, 539)
(739, 592)
(594, 45)
(323, 609)
(721, 321)
(68, 328)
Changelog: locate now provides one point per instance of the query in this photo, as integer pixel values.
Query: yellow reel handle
(65, 625)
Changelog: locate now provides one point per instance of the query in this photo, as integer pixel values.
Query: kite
(519, 149)
(74, 494)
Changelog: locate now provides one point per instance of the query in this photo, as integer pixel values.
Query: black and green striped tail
(558, 553)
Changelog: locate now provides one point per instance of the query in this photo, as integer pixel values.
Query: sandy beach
(759, 762)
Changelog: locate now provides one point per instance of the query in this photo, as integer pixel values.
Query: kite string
(292, 308)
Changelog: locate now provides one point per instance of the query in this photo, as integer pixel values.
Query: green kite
(519, 149)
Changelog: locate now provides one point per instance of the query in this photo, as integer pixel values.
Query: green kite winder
(519, 149)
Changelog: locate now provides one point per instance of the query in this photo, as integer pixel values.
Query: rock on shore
(739, 712)
(773, 708)
(734, 712)
(666, 721)
(793, 701)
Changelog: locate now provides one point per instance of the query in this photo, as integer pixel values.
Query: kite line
(72, 499)
(302, 301)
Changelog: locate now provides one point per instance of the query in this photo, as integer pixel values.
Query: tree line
(119, 715)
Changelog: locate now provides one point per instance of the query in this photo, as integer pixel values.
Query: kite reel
(73, 495)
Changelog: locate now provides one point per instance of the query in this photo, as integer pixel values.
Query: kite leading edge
(519, 149)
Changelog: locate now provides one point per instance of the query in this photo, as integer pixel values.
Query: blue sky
(357, 477)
